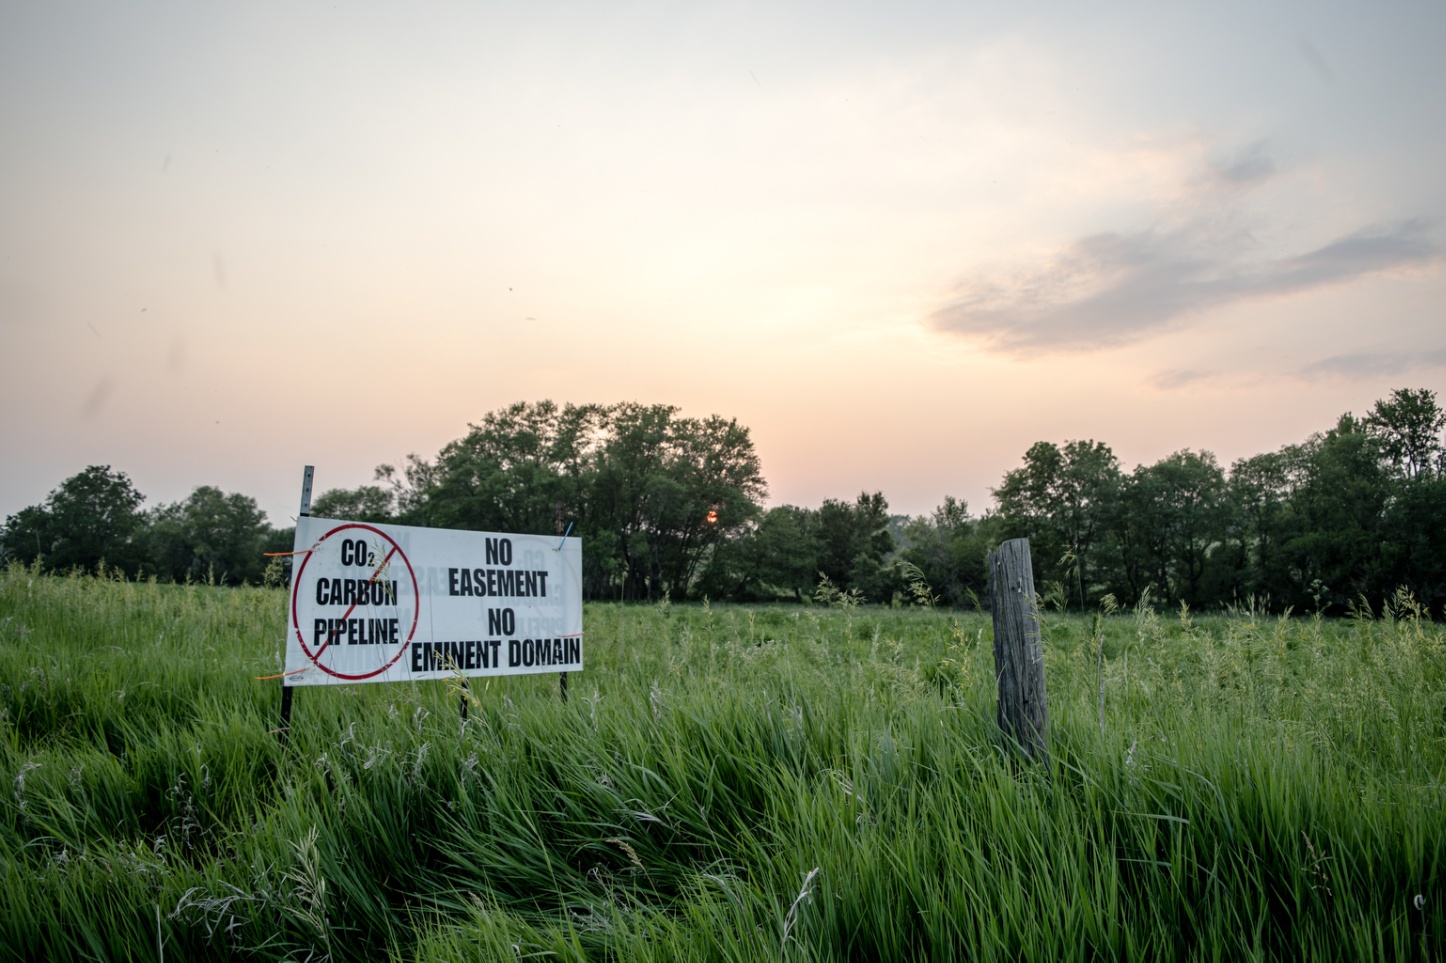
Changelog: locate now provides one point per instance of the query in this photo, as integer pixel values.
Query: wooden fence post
(1018, 651)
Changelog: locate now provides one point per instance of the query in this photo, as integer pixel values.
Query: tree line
(670, 506)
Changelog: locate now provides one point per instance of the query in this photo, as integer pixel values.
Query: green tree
(209, 536)
(92, 517)
(508, 473)
(650, 492)
(1059, 499)
(668, 488)
(1169, 523)
(366, 503)
(1258, 493)
(775, 556)
(854, 540)
(1333, 550)
(1413, 541)
(949, 550)
(1407, 427)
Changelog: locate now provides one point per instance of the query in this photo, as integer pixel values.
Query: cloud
(1317, 62)
(1370, 364)
(1248, 167)
(1112, 288)
(1180, 378)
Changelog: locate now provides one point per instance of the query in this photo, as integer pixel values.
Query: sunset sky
(900, 242)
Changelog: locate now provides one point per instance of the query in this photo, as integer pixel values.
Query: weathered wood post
(1018, 650)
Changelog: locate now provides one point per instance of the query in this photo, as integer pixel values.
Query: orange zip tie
(283, 554)
(280, 675)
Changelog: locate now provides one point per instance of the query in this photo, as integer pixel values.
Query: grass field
(790, 783)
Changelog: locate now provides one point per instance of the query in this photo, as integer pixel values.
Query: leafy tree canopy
(92, 517)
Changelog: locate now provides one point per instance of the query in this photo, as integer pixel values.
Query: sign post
(561, 676)
(286, 691)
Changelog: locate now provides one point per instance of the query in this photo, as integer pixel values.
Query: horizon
(899, 246)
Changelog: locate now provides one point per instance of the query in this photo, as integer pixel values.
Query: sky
(899, 242)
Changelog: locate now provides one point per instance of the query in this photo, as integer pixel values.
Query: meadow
(723, 783)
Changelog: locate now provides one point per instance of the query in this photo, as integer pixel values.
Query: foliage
(1408, 428)
(365, 503)
(1349, 514)
(92, 518)
(209, 537)
(672, 506)
(638, 483)
(947, 551)
(724, 784)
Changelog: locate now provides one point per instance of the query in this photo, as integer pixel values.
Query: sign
(392, 603)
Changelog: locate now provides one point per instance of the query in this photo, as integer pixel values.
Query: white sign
(390, 603)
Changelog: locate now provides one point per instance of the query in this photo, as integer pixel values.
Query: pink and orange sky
(899, 242)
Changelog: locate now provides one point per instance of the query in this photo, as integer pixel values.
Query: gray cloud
(1179, 378)
(1248, 167)
(1369, 364)
(1109, 289)
(1317, 62)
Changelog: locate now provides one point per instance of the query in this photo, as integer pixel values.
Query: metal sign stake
(286, 688)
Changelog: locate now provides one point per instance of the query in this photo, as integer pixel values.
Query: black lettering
(542, 584)
(574, 651)
(465, 586)
(504, 551)
(496, 645)
(491, 550)
(452, 581)
(319, 630)
(514, 653)
(479, 581)
(321, 586)
(557, 654)
(529, 583)
(492, 581)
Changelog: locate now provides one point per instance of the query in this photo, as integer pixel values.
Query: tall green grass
(724, 784)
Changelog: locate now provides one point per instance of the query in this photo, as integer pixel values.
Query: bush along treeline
(94, 522)
(672, 507)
